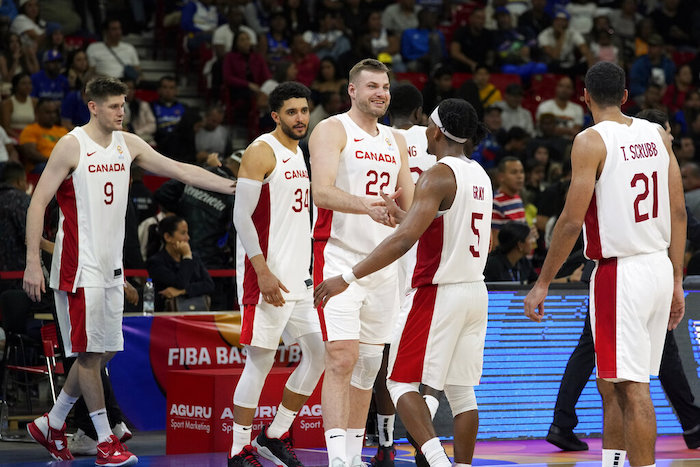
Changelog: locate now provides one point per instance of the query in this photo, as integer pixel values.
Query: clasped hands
(384, 209)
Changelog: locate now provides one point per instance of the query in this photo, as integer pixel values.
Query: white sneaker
(357, 462)
(121, 431)
(81, 444)
(338, 462)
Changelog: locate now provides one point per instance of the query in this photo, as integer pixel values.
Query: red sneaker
(52, 439)
(113, 454)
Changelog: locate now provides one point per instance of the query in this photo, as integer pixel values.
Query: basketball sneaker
(122, 432)
(245, 458)
(52, 439)
(112, 453)
(279, 451)
(384, 457)
(81, 444)
(357, 462)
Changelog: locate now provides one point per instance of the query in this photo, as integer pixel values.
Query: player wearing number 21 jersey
(626, 190)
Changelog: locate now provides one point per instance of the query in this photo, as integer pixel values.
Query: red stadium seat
(416, 79)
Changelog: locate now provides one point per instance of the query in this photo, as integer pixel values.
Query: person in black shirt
(509, 262)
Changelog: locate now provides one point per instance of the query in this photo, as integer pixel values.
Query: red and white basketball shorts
(263, 325)
(91, 319)
(630, 301)
(443, 328)
(367, 309)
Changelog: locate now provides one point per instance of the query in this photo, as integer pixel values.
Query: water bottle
(149, 295)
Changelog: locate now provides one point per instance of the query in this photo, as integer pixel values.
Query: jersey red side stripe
(261, 220)
(593, 247)
(70, 247)
(605, 291)
(428, 254)
(322, 227)
(319, 262)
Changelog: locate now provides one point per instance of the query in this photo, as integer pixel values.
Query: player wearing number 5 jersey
(353, 159)
(271, 216)
(626, 190)
(441, 341)
(88, 171)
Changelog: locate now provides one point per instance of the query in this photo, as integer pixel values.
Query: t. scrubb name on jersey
(201, 356)
(99, 168)
(639, 151)
(375, 156)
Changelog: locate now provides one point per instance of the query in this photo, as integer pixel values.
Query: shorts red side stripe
(408, 367)
(605, 317)
(76, 311)
(319, 262)
(247, 324)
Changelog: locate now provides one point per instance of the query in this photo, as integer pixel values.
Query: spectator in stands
(507, 203)
(174, 120)
(199, 20)
(329, 104)
(690, 172)
(14, 202)
(329, 78)
(478, 91)
(535, 174)
(49, 83)
(141, 196)
(400, 16)
(307, 62)
(472, 44)
(74, 109)
(9, 11)
(508, 262)
(15, 59)
(382, 40)
(581, 14)
(654, 67)
(569, 115)
(438, 88)
(512, 111)
(282, 71)
(28, 25)
(489, 149)
(8, 152)
(77, 68)
(651, 99)
(536, 19)
(676, 92)
(560, 43)
(222, 39)
(114, 57)
(672, 20)
(38, 139)
(514, 46)
(62, 13)
(257, 14)
(175, 270)
(550, 138)
(212, 140)
(514, 143)
(684, 149)
(138, 116)
(603, 49)
(53, 40)
(680, 121)
(298, 17)
(328, 40)
(624, 22)
(423, 47)
(274, 45)
(553, 199)
(18, 110)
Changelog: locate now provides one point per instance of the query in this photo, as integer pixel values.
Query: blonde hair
(368, 64)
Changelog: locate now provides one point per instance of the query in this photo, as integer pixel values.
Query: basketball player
(353, 159)
(88, 171)
(450, 218)
(271, 216)
(626, 191)
(405, 115)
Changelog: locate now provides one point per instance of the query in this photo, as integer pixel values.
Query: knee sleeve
(304, 378)
(396, 389)
(369, 360)
(258, 364)
(461, 398)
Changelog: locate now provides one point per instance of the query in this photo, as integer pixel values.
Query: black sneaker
(245, 458)
(692, 437)
(384, 457)
(279, 451)
(565, 439)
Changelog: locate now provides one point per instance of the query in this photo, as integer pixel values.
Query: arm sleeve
(247, 197)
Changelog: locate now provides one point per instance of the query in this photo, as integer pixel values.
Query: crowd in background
(519, 62)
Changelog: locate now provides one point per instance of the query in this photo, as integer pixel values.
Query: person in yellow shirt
(38, 139)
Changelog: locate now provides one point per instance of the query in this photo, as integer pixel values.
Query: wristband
(349, 277)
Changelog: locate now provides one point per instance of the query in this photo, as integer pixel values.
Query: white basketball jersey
(455, 246)
(418, 158)
(92, 203)
(629, 213)
(282, 222)
(368, 164)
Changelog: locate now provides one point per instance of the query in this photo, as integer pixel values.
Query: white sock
(59, 411)
(385, 427)
(101, 422)
(354, 442)
(281, 423)
(432, 404)
(241, 438)
(613, 458)
(435, 454)
(462, 465)
(335, 444)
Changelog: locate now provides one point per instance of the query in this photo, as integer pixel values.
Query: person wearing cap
(27, 25)
(559, 43)
(654, 67)
(49, 83)
(512, 111)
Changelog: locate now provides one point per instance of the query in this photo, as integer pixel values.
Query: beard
(368, 108)
(289, 131)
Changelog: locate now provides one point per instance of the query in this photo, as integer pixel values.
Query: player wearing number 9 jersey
(626, 190)
(353, 160)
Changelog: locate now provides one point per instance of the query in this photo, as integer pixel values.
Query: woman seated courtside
(175, 271)
(509, 262)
